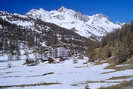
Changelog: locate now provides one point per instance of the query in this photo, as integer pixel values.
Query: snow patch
(22, 23)
(66, 73)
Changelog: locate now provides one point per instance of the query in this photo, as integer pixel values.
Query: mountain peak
(65, 10)
(40, 10)
(37, 13)
(62, 9)
(99, 15)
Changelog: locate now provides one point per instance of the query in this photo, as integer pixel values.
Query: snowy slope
(96, 25)
(67, 74)
(18, 19)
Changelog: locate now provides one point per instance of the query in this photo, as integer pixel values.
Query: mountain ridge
(97, 25)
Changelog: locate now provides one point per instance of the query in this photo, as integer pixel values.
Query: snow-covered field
(64, 75)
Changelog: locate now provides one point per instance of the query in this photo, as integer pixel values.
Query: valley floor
(64, 75)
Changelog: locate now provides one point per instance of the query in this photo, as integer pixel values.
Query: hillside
(116, 46)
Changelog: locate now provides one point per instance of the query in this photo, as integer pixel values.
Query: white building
(59, 50)
(62, 52)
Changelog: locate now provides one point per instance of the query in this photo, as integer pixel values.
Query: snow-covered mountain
(96, 25)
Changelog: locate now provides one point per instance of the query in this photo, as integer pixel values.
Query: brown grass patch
(122, 85)
(121, 77)
(28, 85)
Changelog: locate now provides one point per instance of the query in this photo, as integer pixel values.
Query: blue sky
(116, 10)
